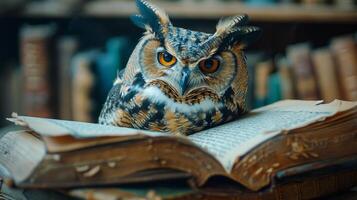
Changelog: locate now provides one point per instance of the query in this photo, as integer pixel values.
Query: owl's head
(190, 66)
(200, 77)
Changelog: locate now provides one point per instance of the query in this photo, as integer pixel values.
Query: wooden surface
(213, 10)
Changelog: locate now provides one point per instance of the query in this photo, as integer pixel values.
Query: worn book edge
(330, 109)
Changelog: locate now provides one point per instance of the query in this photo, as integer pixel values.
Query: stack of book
(291, 149)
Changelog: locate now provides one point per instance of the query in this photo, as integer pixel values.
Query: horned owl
(178, 80)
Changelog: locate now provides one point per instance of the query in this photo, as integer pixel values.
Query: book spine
(345, 51)
(306, 86)
(83, 81)
(35, 63)
(67, 46)
(274, 88)
(286, 76)
(262, 72)
(326, 74)
(252, 60)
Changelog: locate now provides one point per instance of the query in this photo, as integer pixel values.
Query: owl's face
(195, 79)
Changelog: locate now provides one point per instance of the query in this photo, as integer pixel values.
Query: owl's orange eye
(209, 66)
(166, 59)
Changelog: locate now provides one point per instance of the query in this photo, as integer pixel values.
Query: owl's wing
(119, 78)
(111, 102)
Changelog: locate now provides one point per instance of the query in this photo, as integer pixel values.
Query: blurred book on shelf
(286, 77)
(325, 73)
(253, 59)
(299, 56)
(83, 80)
(325, 70)
(66, 48)
(107, 66)
(345, 51)
(262, 72)
(37, 67)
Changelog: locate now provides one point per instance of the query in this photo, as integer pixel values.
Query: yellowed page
(18, 150)
(53, 127)
(228, 141)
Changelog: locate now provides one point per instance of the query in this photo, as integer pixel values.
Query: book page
(228, 141)
(54, 127)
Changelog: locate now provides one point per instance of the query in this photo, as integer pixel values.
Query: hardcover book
(257, 151)
(326, 74)
(345, 51)
(299, 56)
(66, 48)
(36, 69)
(287, 78)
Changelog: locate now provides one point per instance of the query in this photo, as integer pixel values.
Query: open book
(251, 150)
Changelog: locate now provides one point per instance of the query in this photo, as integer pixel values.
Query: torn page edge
(16, 120)
(315, 106)
(51, 128)
(331, 109)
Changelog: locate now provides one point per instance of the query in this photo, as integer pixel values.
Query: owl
(178, 80)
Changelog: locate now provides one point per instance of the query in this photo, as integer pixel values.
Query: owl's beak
(185, 75)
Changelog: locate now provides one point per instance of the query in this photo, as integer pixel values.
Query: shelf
(212, 10)
(217, 9)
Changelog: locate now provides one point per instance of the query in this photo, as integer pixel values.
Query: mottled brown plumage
(178, 80)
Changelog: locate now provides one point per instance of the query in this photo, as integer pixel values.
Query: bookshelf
(210, 10)
(206, 10)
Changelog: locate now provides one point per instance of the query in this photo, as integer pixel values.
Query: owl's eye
(166, 59)
(209, 66)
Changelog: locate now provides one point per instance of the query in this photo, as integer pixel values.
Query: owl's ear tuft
(139, 21)
(233, 30)
(242, 36)
(227, 24)
(152, 19)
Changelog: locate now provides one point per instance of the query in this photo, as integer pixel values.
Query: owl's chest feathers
(179, 104)
(137, 96)
(150, 108)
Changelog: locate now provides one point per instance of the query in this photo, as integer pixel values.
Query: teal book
(252, 59)
(106, 68)
(274, 88)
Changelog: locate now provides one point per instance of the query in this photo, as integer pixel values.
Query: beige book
(287, 78)
(262, 72)
(345, 51)
(299, 56)
(326, 74)
(82, 83)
